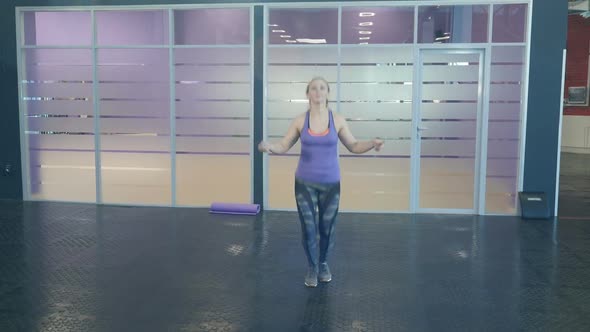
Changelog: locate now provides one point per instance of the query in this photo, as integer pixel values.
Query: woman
(317, 179)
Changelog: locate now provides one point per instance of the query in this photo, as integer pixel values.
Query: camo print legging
(317, 205)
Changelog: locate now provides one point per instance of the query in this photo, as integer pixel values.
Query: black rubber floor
(72, 267)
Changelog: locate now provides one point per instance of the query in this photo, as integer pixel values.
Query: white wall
(576, 134)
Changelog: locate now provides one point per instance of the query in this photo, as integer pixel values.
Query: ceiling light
(365, 43)
(364, 38)
(366, 14)
(281, 31)
(366, 24)
(285, 36)
(311, 41)
(290, 41)
(364, 32)
(273, 25)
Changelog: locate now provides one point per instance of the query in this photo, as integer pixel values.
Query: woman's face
(318, 92)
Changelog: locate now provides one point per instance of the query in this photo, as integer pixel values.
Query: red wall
(578, 49)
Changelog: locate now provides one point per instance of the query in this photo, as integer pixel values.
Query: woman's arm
(286, 143)
(350, 141)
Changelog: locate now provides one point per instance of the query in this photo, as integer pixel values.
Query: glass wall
(506, 108)
(154, 106)
(453, 24)
(376, 77)
(57, 110)
(159, 100)
(213, 106)
(506, 104)
(368, 54)
(450, 112)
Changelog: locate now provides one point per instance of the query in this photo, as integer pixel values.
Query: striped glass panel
(134, 92)
(376, 99)
(508, 65)
(213, 125)
(59, 124)
(448, 129)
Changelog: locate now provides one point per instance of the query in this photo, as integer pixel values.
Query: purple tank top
(319, 155)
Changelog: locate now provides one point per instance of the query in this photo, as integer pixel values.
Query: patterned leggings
(322, 199)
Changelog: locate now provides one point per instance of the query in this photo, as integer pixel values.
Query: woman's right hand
(265, 147)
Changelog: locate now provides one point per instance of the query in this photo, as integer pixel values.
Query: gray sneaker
(311, 279)
(325, 275)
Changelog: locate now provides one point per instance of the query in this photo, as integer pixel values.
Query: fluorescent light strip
(311, 41)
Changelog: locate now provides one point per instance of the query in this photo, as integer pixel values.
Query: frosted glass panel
(59, 127)
(135, 125)
(213, 108)
(465, 91)
(376, 75)
(281, 181)
(508, 65)
(447, 183)
(448, 133)
(387, 111)
(509, 23)
(288, 72)
(453, 24)
(377, 25)
(213, 125)
(136, 27)
(303, 26)
(397, 56)
(375, 184)
(57, 28)
(136, 178)
(203, 179)
(212, 26)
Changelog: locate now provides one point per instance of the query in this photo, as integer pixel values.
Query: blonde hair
(318, 78)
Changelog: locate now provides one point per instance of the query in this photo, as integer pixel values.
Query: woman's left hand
(378, 144)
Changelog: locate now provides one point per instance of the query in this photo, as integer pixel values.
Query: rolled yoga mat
(235, 208)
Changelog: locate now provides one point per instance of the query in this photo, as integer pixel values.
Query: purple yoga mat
(235, 208)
